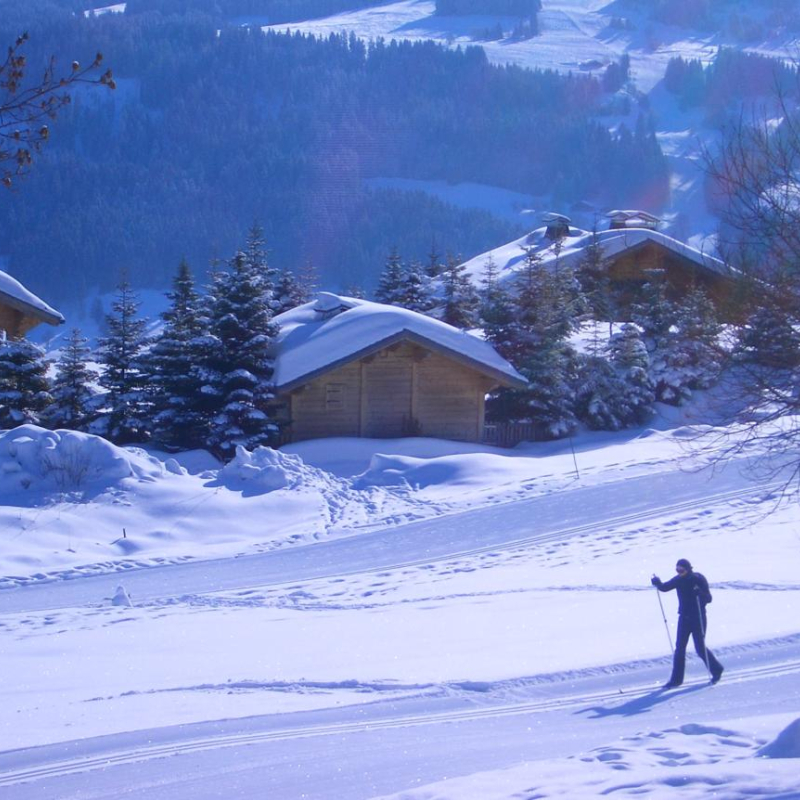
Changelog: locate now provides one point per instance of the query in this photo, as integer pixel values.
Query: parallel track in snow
(438, 540)
(561, 534)
(113, 758)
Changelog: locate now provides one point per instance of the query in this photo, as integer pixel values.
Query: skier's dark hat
(685, 563)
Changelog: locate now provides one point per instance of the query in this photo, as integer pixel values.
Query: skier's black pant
(694, 627)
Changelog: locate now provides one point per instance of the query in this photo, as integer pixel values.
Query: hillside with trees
(213, 128)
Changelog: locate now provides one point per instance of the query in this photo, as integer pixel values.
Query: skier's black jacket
(690, 586)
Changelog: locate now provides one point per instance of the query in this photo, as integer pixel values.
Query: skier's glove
(655, 580)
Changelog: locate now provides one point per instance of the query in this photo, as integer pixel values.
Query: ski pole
(664, 617)
(703, 634)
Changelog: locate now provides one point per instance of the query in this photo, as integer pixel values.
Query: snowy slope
(494, 632)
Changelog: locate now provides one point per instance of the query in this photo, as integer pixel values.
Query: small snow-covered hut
(350, 367)
(21, 309)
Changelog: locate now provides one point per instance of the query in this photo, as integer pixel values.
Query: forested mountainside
(748, 21)
(273, 11)
(213, 128)
(733, 77)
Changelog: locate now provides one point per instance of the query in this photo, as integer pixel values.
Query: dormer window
(328, 305)
(557, 226)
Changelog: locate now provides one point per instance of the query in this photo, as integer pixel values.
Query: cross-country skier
(693, 597)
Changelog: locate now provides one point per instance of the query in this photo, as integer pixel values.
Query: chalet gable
(330, 331)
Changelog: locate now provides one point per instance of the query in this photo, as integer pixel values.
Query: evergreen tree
(770, 336)
(460, 302)
(391, 281)
(174, 366)
(599, 401)
(308, 279)
(498, 313)
(415, 292)
(74, 397)
(434, 267)
(240, 366)
(628, 356)
(541, 351)
(656, 315)
(24, 386)
(697, 340)
(356, 291)
(289, 292)
(255, 253)
(127, 404)
(595, 281)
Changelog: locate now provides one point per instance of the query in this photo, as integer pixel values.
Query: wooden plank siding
(311, 416)
(450, 399)
(629, 271)
(402, 390)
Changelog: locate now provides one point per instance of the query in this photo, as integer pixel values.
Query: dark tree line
(734, 77)
(747, 22)
(273, 11)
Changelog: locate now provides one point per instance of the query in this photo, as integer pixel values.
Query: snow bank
(786, 745)
(33, 457)
(266, 470)
(421, 473)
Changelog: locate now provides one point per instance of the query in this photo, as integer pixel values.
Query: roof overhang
(30, 310)
(499, 377)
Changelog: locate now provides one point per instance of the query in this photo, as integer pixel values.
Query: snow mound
(31, 456)
(268, 470)
(470, 470)
(786, 745)
(121, 598)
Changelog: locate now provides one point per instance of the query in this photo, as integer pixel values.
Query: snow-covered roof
(332, 330)
(509, 257)
(14, 294)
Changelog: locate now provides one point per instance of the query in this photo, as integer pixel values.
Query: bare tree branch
(27, 108)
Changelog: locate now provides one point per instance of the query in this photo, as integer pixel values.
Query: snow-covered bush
(67, 460)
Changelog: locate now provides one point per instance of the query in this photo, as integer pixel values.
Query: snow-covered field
(575, 36)
(413, 619)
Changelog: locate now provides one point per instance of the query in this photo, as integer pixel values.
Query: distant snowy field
(488, 624)
(576, 36)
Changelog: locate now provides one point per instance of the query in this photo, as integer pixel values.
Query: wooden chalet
(634, 252)
(349, 367)
(21, 310)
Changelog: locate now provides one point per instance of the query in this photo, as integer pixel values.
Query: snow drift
(64, 460)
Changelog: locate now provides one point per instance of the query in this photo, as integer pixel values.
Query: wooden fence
(509, 434)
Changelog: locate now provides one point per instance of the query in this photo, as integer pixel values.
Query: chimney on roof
(632, 219)
(557, 226)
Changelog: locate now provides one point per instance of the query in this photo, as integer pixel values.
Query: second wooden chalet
(350, 367)
(634, 252)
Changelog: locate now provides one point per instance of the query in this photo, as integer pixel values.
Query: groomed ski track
(518, 524)
(294, 757)
(420, 739)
